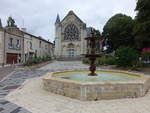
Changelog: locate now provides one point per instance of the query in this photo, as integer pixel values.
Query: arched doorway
(71, 50)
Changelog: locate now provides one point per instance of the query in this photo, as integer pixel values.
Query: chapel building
(70, 34)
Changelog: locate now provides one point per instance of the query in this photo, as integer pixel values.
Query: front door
(11, 58)
(71, 53)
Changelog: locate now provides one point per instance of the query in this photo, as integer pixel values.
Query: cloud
(38, 16)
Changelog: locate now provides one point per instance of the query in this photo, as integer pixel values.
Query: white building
(17, 46)
(70, 34)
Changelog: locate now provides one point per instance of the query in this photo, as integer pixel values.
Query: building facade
(17, 46)
(11, 46)
(36, 47)
(70, 34)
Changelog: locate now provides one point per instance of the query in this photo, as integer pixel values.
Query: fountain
(91, 42)
(96, 85)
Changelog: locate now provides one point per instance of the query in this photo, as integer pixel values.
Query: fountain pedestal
(91, 54)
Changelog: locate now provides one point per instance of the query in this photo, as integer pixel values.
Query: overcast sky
(39, 16)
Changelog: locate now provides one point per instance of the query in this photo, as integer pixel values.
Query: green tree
(126, 56)
(119, 31)
(142, 27)
(98, 34)
(1, 24)
(11, 22)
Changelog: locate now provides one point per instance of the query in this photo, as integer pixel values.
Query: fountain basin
(107, 85)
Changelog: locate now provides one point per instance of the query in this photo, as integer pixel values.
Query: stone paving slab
(8, 107)
(32, 97)
(18, 77)
(4, 71)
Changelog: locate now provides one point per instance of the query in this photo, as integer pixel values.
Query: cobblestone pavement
(16, 78)
(4, 71)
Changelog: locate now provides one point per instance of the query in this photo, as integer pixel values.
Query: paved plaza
(16, 78)
(29, 97)
(4, 71)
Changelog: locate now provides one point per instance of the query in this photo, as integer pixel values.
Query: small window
(45, 46)
(10, 42)
(30, 45)
(40, 44)
(18, 44)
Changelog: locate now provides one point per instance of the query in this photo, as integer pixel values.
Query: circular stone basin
(107, 85)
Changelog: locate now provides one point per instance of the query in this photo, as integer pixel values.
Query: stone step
(69, 59)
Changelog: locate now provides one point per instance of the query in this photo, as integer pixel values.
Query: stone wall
(39, 47)
(96, 91)
(1, 47)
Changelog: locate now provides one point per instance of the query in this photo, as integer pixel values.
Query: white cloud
(39, 15)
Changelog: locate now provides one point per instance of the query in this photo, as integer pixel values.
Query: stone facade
(69, 37)
(11, 50)
(1, 47)
(36, 46)
(17, 46)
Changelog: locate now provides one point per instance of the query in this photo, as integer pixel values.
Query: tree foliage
(119, 30)
(1, 24)
(142, 27)
(126, 56)
(11, 22)
(97, 32)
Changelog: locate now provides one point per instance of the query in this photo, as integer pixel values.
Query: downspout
(23, 57)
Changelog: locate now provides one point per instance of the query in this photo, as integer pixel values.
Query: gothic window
(71, 32)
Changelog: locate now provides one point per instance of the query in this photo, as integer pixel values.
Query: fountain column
(91, 54)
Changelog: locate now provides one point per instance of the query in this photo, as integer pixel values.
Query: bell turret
(57, 19)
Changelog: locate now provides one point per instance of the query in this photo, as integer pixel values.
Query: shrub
(101, 60)
(86, 61)
(44, 58)
(48, 58)
(28, 63)
(145, 59)
(109, 60)
(106, 60)
(37, 60)
(126, 56)
(146, 56)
